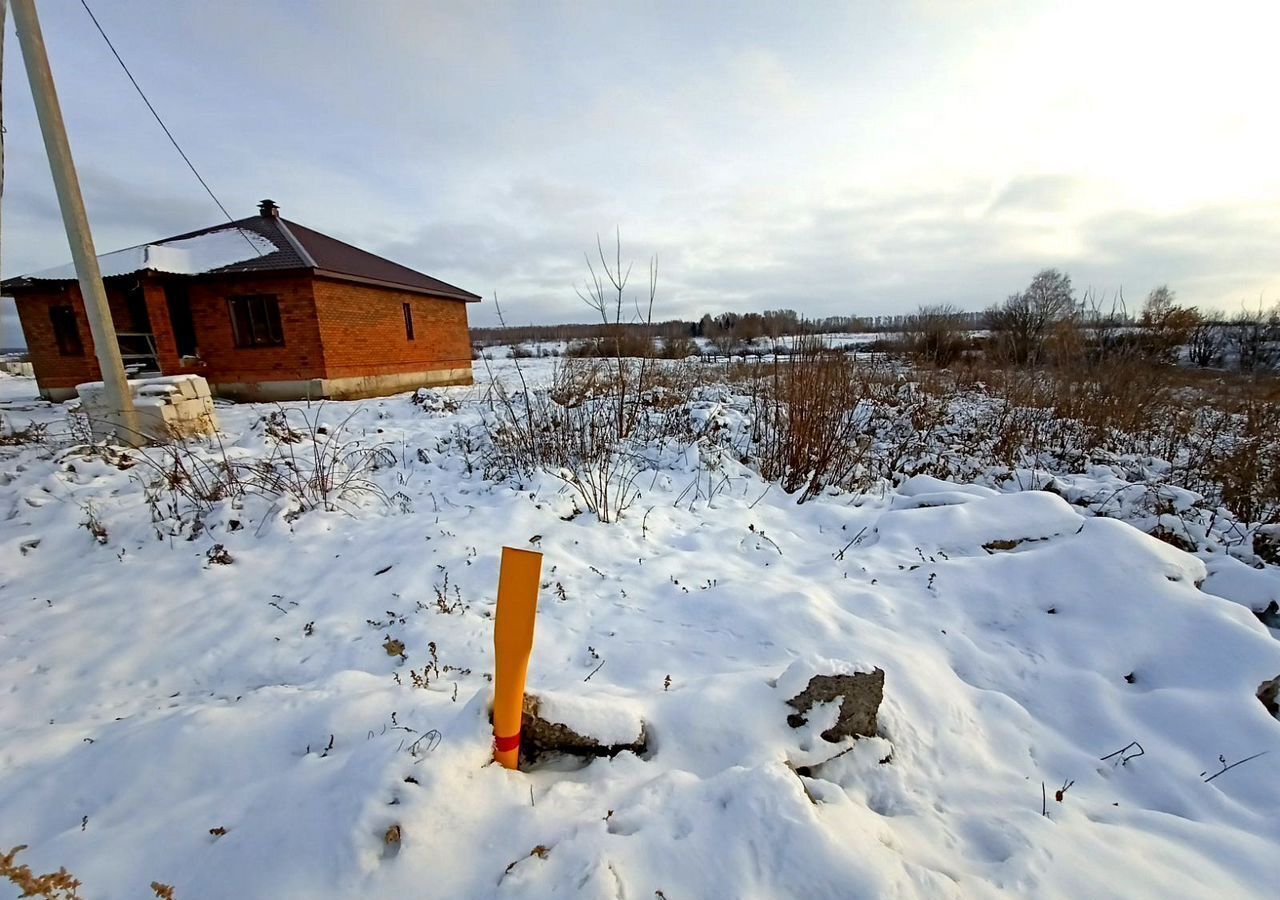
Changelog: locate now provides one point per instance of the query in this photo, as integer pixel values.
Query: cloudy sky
(854, 158)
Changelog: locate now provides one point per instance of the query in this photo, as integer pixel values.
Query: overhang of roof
(297, 249)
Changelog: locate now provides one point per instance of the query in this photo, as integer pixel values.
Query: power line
(165, 127)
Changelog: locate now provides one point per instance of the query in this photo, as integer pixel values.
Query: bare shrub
(806, 435)
(1243, 460)
(605, 292)
(31, 434)
(1121, 396)
(936, 335)
(321, 470)
(1218, 434)
(1206, 343)
(1166, 327)
(619, 340)
(821, 420)
(1105, 326)
(1070, 413)
(311, 465)
(186, 480)
(679, 347)
(572, 429)
(1253, 339)
(724, 342)
(595, 427)
(578, 444)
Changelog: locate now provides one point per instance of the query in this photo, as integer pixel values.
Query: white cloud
(863, 158)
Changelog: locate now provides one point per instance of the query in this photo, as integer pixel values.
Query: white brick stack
(168, 406)
(21, 369)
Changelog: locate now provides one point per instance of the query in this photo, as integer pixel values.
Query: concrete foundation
(355, 388)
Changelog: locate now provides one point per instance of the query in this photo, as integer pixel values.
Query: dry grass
(823, 420)
(936, 335)
(1220, 432)
(595, 428)
(59, 885)
(31, 434)
(308, 464)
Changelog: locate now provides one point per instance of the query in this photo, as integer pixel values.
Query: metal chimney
(268, 209)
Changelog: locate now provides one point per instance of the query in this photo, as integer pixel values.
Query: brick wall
(332, 329)
(363, 331)
(52, 369)
(301, 356)
(166, 346)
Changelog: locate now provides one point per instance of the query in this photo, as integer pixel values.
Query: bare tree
(1166, 326)
(605, 292)
(1021, 327)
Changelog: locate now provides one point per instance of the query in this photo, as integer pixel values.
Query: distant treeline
(1046, 323)
(741, 327)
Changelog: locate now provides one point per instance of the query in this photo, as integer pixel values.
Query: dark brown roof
(298, 247)
(333, 256)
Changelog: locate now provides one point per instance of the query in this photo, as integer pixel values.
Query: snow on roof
(190, 256)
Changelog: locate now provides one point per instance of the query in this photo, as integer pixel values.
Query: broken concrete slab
(580, 725)
(859, 691)
(1269, 694)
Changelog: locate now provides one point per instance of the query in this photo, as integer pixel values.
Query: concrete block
(176, 406)
(188, 388)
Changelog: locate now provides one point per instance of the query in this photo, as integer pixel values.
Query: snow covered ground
(229, 721)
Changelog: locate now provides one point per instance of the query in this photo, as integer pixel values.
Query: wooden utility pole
(124, 420)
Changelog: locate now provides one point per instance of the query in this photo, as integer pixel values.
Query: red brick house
(263, 308)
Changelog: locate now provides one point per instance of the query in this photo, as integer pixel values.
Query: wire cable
(165, 127)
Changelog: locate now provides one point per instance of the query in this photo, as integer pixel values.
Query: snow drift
(153, 693)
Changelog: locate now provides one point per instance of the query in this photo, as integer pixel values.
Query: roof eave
(461, 296)
(22, 282)
(27, 281)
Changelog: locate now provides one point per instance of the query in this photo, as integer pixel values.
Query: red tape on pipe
(512, 742)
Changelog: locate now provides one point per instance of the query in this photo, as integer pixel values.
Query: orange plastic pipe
(512, 644)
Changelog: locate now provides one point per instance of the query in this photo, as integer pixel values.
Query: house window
(65, 331)
(255, 320)
(408, 320)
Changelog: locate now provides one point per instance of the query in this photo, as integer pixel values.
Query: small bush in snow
(308, 464)
(32, 433)
(822, 420)
(606, 414)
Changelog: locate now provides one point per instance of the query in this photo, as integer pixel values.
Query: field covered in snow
(215, 706)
